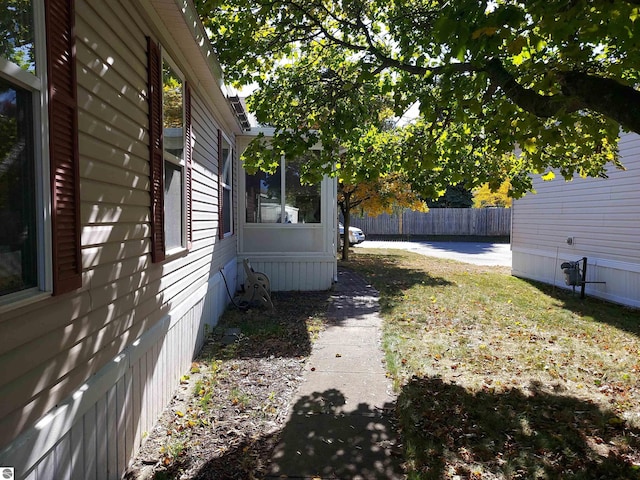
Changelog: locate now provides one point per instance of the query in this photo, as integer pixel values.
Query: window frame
(156, 58)
(38, 84)
(282, 166)
(226, 230)
(181, 162)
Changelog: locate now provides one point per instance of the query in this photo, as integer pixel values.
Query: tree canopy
(483, 196)
(383, 194)
(504, 87)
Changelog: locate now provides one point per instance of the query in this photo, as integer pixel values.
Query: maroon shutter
(154, 71)
(220, 187)
(63, 146)
(188, 153)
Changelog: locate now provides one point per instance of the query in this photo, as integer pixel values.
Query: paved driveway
(469, 252)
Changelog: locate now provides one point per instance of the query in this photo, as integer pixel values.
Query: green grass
(499, 377)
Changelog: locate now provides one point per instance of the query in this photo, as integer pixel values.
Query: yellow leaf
(530, 145)
(548, 176)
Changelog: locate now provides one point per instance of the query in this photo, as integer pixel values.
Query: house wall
(85, 375)
(601, 216)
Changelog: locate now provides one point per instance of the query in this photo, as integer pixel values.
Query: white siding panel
(102, 438)
(94, 126)
(77, 446)
(96, 235)
(602, 217)
(90, 438)
(47, 468)
(285, 274)
(62, 455)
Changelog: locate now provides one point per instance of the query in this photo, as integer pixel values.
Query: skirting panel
(293, 274)
(622, 279)
(95, 433)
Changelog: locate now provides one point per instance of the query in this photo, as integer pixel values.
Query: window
(18, 213)
(34, 150)
(18, 233)
(281, 197)
(170, 144)
(226, 182)
(173, 144)
(18, 45)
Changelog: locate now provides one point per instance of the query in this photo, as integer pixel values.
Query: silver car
(355, 234)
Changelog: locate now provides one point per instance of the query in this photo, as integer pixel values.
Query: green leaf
(484, 31)
(517, 45)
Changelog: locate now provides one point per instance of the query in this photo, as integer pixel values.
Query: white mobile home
(118, 219)
(594, 218)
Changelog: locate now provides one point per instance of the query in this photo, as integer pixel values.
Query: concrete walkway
(340, 424)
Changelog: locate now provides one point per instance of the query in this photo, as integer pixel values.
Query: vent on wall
(239, 109)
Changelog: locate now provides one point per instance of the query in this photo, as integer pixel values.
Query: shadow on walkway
(320, 441)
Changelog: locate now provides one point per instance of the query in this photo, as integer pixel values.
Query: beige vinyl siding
(50, 348)
(601, 216)
(205, 187)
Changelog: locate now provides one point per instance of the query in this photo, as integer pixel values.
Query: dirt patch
(226, 416)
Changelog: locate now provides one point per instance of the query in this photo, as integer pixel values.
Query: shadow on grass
(512, 434)
(447, 432)
(602, 311)
(395, 279)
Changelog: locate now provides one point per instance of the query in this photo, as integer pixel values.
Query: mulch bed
(224, 420)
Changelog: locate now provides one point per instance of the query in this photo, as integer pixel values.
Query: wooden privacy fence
(485, 222)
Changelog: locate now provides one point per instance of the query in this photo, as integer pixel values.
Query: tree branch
(580, 91)
(606, 96)
(544, 106)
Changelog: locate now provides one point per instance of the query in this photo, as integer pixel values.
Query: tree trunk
(345, 207)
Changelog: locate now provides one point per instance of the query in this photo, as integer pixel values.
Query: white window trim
(226, 186)
(167, 157)
(38, 84)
